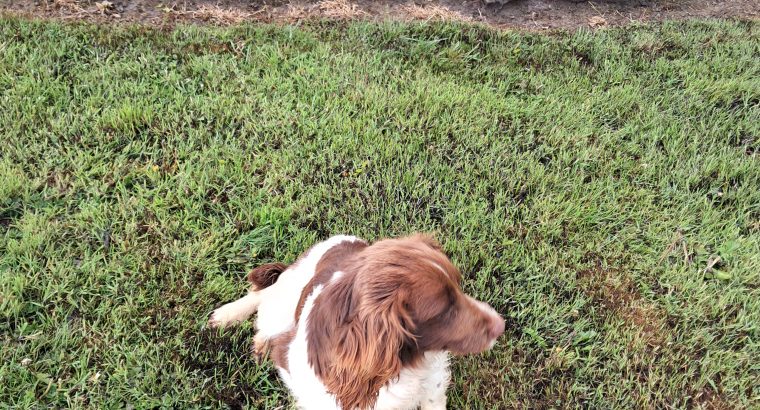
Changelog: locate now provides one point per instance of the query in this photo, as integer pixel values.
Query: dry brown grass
(433, 12)
(218, 15)
(296, 12)
(71, 6)
(340, 9)
(332, 9)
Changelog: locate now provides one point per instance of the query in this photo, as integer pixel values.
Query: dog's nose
(497, 327)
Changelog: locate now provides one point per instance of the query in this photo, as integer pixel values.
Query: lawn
(600, 189)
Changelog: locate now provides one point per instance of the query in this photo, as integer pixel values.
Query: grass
(584, 183)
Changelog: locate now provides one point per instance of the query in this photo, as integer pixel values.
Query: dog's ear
(357, 334)
(332, 310)
(428, 239)
(265, 275)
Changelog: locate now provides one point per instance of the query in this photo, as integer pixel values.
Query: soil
(534, 15)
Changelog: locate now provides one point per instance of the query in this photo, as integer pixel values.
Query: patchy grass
(583, 183)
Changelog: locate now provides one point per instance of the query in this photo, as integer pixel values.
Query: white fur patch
(235, 312)
(422, 386)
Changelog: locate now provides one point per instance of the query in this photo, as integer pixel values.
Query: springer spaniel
(356, 326)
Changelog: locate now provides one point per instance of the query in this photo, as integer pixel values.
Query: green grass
(582, 182)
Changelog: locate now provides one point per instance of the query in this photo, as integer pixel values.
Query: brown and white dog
(356, 326)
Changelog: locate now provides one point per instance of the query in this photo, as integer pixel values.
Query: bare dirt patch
(523, 14)
(616, 293)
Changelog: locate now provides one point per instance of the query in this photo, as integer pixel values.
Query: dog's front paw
(260, 347)
(220, 318)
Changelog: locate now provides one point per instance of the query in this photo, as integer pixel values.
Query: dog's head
(395, 300)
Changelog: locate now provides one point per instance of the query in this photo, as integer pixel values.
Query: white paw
(433, 404)
(260, 345)
(235, 312)
(223, 317)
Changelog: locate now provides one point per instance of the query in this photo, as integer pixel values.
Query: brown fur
(330, 263)
(279, 348)
(397, 299)
(265, 275)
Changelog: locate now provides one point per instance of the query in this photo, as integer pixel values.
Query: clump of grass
(585, 183)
